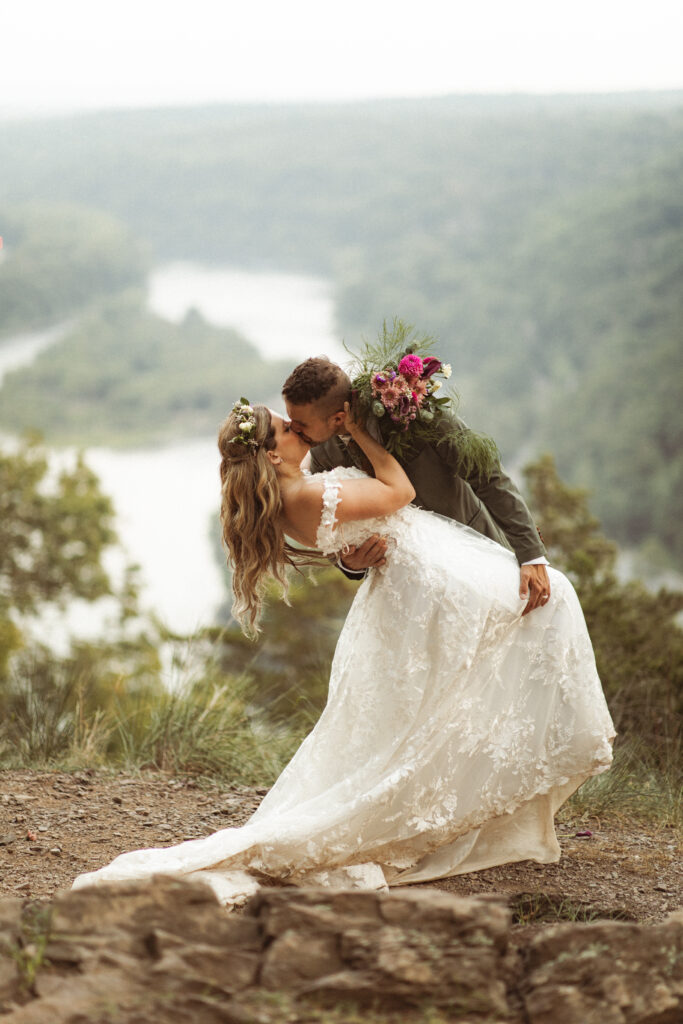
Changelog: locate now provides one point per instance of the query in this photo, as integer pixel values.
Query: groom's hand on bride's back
(368, 555)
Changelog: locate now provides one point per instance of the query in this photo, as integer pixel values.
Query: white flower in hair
(246, 422)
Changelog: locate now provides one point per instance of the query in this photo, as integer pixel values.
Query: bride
(454, 727)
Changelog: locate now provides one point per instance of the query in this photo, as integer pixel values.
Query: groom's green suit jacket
(491, 505)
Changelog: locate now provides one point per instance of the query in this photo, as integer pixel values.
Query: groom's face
(311, 424)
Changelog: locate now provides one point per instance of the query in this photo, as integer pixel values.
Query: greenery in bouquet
(397, 381)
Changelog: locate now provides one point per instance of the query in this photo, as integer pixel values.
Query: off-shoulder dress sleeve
(328, 539)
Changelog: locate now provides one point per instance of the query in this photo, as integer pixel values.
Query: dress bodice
(333, 536)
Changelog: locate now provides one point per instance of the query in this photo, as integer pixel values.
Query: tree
(52, 536)
(53, 532)
(638, 643)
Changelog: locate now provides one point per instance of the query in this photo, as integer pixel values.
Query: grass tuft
(206, 722)
(632, 788)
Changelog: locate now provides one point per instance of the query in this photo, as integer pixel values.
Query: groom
(314, 395)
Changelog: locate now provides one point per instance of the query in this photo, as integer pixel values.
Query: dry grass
(632, 789)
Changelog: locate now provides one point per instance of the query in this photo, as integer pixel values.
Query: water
(167, 503)
(167, 498)
(285, 315)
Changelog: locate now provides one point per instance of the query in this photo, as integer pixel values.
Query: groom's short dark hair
(318, 379)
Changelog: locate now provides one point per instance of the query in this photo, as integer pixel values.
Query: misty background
(192, 200)
(192, 204)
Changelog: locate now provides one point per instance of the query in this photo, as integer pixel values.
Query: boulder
(606, 973)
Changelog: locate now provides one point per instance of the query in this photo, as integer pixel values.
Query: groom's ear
(338, 419)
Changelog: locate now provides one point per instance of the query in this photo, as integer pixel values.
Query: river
(167, 498)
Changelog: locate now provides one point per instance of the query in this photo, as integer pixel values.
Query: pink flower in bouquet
(410, 366)
(390, 396)
(389, 388)
(419, 390)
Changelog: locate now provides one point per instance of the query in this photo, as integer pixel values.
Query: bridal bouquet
(397, 382)
(408, 391)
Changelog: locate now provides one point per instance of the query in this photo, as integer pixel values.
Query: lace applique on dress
(326, 539)
(332, 536)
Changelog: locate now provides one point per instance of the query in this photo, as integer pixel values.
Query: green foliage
(124, 375)
(571, 533)
(51, 538)
(54, 528)
(392, 343)
(609, 339)
(306, 187)
(59, 258)
(290, 661)
(638, 643)
(105, 702)
(565, 333)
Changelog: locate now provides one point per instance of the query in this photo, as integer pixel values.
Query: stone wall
(165, 950)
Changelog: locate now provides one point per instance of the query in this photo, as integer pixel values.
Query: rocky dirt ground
(55, 825)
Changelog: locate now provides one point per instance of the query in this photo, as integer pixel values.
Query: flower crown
(247, 424)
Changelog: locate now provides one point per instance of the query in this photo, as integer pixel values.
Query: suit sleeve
(323, 458)
(503, 501)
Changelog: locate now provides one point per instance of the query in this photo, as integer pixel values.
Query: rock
(607, 973)
(10, 982)
(294, 959)
(11, 944)
(10, 920)
(198, 962)
(164, 950)
(87, 922)
(404, 947)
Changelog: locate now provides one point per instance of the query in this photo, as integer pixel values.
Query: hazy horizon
(618, 97)
(67, 58)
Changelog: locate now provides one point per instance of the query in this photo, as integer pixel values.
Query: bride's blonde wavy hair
(251, 510)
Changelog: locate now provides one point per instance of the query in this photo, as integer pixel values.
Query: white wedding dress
(454, 728)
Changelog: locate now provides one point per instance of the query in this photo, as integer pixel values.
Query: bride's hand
(352, 425)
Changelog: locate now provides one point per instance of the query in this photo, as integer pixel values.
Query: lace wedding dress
(454, 728)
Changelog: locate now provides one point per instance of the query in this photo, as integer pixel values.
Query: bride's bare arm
(395, 488)
(362, 499)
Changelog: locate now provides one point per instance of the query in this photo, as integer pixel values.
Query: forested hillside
(539, 239)
(125, 376)
(59, 258)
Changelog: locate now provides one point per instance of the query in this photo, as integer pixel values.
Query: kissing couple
(464, 704)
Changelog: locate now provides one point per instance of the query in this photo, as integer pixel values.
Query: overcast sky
(74, 54)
